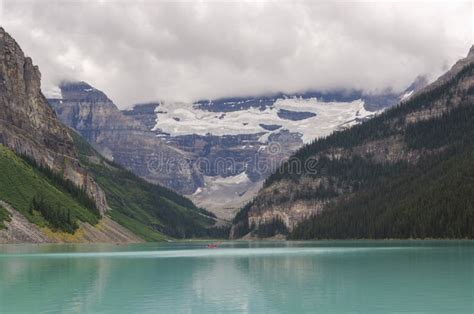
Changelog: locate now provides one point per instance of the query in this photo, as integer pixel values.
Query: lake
(254, 277)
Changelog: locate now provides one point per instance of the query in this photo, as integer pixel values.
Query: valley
(116, 175)
(218, 153)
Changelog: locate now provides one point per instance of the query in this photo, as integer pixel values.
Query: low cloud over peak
(184, 51)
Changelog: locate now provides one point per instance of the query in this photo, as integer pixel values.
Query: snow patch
(407, 95)
(330, 116)
(198, 190)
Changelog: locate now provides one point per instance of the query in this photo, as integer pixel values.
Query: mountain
(407, 173)
(237, 143)
(39, 161)
(29, 126)
(121, 138)
(150, 211)
(38, 205)
(224, 149)
(56, 188)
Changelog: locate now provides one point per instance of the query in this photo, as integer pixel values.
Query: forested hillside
(405, 173)
(42, 196)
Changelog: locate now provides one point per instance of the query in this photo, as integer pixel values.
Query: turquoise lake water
(240, 277)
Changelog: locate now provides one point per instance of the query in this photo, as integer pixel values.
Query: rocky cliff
(123, 139)
(325, 180)
(29, 126)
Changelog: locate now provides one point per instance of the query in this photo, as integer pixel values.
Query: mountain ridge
(355, 161)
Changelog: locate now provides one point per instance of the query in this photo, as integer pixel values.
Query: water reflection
(239, 277)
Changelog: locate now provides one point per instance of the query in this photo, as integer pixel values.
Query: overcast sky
(138, 51)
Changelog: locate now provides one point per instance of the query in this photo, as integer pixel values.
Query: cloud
(138, 51)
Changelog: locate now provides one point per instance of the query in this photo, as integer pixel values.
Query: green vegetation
(207, 213)
(79, 194)
(57, 216)
(391, 123)
(241, 221)
(47, 199)
(455, 128)
(435, 200)
(150, 211)
(429, 196)
(270, 229)
(276, 226)
(22, 180)
(4, 217)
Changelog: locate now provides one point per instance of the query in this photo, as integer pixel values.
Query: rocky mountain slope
(405, 173)
(38, 160)
(151, 211)
(121, 138)
(54, 186)
(28, 125)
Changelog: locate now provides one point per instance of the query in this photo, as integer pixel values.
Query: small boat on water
(212, 246)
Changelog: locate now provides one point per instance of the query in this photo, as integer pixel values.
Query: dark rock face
(230, 155)
(270, 127)
(29, 126)
(294, 115)
(372, 102)
(122, 138)
(145, 113)
(235, 104)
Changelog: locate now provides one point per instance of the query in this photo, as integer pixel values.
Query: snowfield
(183, 119)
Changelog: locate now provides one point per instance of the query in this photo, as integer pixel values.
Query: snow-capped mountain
(307, 117)
(235, 143)
(217, 152)
(122, 139)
